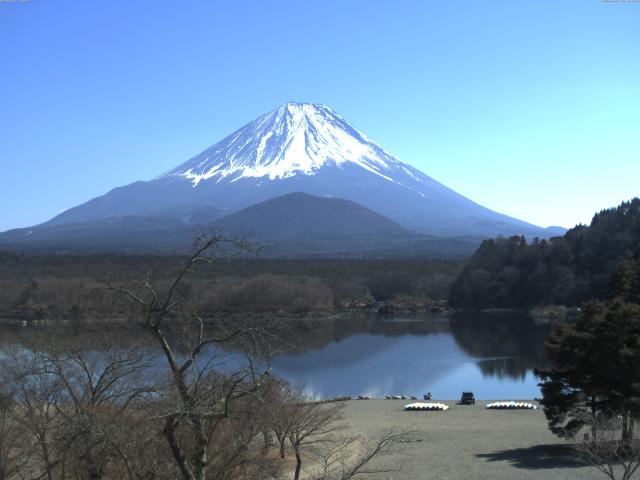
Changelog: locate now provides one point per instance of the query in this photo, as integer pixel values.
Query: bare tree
(311, 425)
(202, 400)
(99, 391)
(74, 403)
(34, 395)
(315, 430)
(12, 441)
(280, 403)
(616, 450)
(347, 457)
(138, 448)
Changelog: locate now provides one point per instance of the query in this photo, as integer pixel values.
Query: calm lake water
(410, 355)
(370, 354)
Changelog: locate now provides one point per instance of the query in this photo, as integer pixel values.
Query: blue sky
(529, 108)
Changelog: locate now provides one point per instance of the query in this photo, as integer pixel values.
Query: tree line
(69, 287)
(587, 263)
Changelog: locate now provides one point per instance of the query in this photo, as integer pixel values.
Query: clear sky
(531, 108)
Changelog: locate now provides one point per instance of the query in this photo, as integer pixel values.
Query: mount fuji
(298, 147)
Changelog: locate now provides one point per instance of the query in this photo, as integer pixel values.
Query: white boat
(511, 405)
(428, 406)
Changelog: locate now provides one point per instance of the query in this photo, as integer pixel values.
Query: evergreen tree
(625, 281)
(596, 369)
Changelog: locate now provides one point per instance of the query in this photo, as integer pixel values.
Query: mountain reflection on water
(368, 354)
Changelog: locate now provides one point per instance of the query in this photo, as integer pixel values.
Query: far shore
(539, 315)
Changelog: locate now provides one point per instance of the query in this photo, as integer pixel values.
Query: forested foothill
(588, 263)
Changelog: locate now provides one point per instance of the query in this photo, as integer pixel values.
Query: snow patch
(295, 139)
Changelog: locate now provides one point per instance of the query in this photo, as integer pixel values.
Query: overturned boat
(428, 406)
(512, 406)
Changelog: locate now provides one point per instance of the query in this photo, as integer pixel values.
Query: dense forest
(588, 262)
(73, 287)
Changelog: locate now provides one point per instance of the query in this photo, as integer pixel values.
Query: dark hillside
(513, 273)
(298, 215)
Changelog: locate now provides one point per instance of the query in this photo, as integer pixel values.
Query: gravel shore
(468, 442)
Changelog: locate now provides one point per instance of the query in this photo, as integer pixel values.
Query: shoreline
(542, 315)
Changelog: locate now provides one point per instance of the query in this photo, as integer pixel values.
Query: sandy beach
(469, 442)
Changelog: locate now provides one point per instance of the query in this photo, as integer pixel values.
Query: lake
(369, 354)
(365, 353)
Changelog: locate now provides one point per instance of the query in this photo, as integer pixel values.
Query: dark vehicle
(467, 398)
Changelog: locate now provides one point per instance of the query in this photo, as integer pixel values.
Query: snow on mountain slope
(294, 139)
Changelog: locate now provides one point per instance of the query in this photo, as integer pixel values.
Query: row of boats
(512, 405)
(435, 406)
(394, 397)
(420, 406)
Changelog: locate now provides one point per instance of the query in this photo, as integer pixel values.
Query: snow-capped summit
(300, 147)
(294, 139)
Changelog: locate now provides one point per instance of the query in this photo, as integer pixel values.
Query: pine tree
(596, 369)
(625, 280)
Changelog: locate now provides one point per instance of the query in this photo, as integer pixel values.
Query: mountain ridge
(293, 225)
